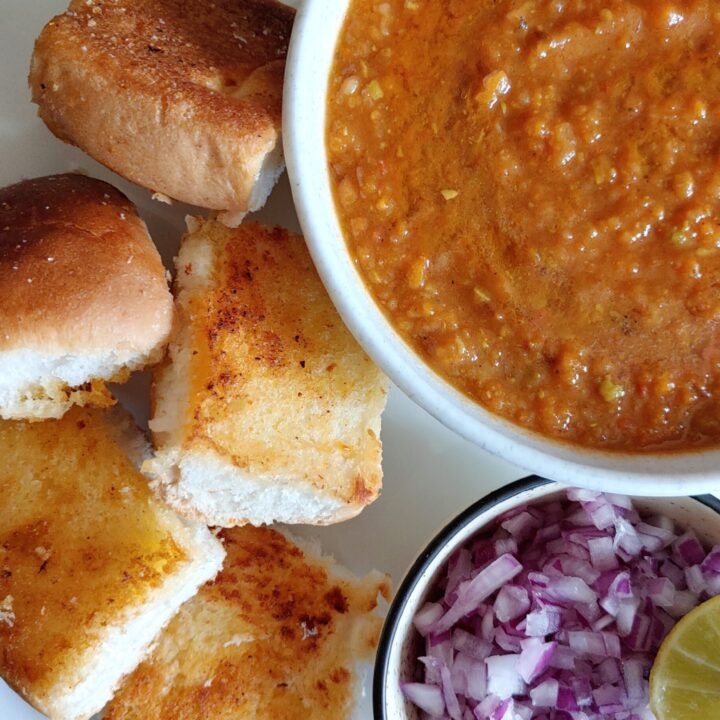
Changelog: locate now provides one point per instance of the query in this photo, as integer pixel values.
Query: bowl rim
(428, 555)
(308, 66)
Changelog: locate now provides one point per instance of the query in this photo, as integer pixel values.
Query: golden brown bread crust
(181, 97)
(81, 542)
(273, 637)
(78, 271)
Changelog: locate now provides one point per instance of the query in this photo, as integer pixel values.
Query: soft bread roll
(91, 566)
(183, 98)
(83, 295)
(281, 634)
(267, 410)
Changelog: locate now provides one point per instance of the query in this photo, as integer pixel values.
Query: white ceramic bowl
(398, 650)
(304, 116)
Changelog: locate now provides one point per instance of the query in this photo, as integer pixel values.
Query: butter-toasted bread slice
(183, 98)
(268, 409)
(92, 567)
(277, 636)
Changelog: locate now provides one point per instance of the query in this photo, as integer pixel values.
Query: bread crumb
(7, 616)
(308, 632)
(237, 640)
(42, 553)
(161, 197)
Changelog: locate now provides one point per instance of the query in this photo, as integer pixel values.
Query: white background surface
(430, 473)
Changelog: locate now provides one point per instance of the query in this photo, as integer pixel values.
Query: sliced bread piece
(268, 410)
(83, 295)
(282, 633)
(183, 98)
(92, 567)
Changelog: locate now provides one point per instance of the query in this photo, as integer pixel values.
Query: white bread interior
(42, 385)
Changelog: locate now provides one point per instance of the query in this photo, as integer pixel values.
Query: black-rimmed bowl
(399, 643)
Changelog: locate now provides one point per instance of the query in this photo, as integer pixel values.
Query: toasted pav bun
(267, 409)
(281, 634)
(181, 97)
(83, 295)
(92, 567)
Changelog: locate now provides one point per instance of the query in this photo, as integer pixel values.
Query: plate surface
(431, 474)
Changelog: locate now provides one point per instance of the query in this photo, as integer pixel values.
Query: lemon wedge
(685, 678)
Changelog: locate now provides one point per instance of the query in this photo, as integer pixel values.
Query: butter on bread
(92, 567)
(282, 632)
(83, 295)
(183, 98)
(267, 409)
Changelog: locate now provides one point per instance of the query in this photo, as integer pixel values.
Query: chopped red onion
(608, 671)
(472, 592)
(475, 672)
(688, 550)
(684, 602)
(602, 555)
(661, 591)
(520, 525)
(671, 571)
(460, 568)
(582, 687)
(543, 621)
(427, 616)
(626, 538)
(452, 706)
(503, 677)
(534, 658)
(545, 694)
(558, 612)
(601, 513)
(633, 673)
(695, 579)
(475, 647)
(512, 601)
(566, 699)
(712, 562)
(487, 626)
(563, 658)
(486, 709)
(428, 698)
(601, 644)
(626, 615)
(507, 642)
(665, 535)
(572, 590)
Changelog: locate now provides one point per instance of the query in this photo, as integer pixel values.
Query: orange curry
(531, 191)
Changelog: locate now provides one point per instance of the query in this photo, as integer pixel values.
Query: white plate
(430, 473)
